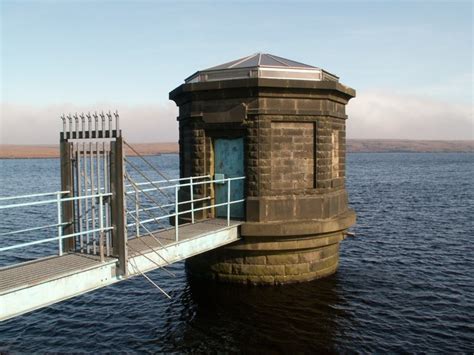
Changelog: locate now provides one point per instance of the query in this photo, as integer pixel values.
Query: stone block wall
(270, 261)
(296, 203)
(292, 156)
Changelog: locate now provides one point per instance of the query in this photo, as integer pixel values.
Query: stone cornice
(336, 87)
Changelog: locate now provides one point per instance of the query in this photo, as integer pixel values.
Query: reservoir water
(405, 282)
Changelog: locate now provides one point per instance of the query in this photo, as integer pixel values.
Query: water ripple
(404, 283)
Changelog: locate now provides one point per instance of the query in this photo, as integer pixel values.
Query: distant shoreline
(9, 151)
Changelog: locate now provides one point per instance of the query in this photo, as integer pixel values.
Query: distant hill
(8, 151)
(405, 145)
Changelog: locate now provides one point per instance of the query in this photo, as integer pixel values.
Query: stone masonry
(296, 204)
(292, 156)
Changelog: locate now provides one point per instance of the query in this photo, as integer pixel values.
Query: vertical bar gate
(92, 164)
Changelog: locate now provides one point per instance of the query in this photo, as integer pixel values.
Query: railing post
(67, 184)
(176, 211)
(137, 214)
(192, 199)
(228, 202)
(118, 210)
(60, 227)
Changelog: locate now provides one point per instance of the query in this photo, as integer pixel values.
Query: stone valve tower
(281, 124)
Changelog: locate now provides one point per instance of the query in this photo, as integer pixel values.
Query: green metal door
(229, 162)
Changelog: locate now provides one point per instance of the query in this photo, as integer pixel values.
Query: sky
(409, 61)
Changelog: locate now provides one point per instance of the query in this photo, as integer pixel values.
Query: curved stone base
(270, 260)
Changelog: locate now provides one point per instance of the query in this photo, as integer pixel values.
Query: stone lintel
(235, 114)
(275, 112)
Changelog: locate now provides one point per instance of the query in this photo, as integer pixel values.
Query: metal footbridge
(116, 217)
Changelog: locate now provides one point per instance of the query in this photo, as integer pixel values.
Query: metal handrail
(27, 204)
(191, 201)
(167, 181)
(188, 211)
(100, 197)
(189, 184)
(60, 238)
(33, 229)
(58, 201)
(168, 205)
(45, 202)
(33, 195)
(76, 198)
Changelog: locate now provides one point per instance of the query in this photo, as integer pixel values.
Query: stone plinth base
(270, 260)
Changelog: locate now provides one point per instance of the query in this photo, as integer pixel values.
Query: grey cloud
(384, 115)
(29, 124)
(373, 114)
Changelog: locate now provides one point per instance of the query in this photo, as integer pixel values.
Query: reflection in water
(294, 318)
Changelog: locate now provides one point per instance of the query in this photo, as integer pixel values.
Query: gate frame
(74, 127)
(67, 184)
(118, 209)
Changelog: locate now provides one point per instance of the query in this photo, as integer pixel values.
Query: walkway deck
(39, 283)
(35, 272)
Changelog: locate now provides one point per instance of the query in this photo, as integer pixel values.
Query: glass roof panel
(290, 63)
(252, 65)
